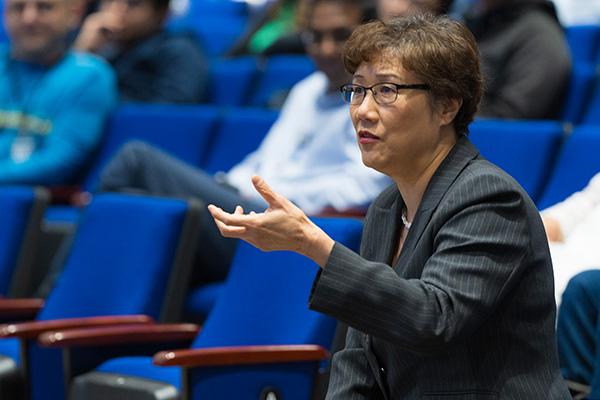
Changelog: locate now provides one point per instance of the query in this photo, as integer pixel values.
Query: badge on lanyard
(22, 148)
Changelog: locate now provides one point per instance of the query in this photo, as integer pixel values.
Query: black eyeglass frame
(417, 86)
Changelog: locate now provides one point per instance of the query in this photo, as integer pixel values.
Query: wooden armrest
(31, 329)
(69, 194)
(353, 212)
(119, 334)
(239, 355)
(22, 308)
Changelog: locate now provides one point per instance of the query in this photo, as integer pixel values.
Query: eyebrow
(381, 76)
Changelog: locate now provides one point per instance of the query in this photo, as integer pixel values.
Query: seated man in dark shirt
(152, 65)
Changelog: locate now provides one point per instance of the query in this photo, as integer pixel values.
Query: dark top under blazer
(468, 310)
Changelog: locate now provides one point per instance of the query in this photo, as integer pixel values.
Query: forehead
(35, 2)
(383, 68)
(329, 15)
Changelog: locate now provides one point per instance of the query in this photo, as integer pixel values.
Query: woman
(467, 309)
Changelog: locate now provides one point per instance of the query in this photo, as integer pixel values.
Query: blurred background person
(578, 335)
(388, 9)
(524, 55)
(53, 101)
(152, 65)
(573, 230)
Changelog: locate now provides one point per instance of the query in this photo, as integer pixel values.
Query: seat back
(127, 251)
(279, 73)
(239, 133)
(264, 302)
(591, 115)
(131, 254)
(21, 213)
(182, 130)
(577, 163)
(217, 34)
(583, 42)
(581, 82)
(526, 150)
(231, 80)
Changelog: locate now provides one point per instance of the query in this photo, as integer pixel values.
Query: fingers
(265, 190)
(229, 224)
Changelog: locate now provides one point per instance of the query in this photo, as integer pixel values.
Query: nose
(30, 13)
(328, 46)
(367, 110)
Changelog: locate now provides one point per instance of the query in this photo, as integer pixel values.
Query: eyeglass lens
(338, 35)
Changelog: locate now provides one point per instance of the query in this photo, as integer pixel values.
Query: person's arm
(96, 32)
(561, 218)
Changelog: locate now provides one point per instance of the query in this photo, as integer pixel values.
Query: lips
(366, 137)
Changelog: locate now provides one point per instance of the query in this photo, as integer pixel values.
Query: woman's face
(403, 138)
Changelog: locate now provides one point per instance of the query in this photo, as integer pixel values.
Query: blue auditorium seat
(21, 212)
(130, 262)
(582, 81)
(217, 34)
(577, 163)
(240, 131)
(278, 74)
(591, 114)
(261, 312)
(526, 150)
(231, 80)
(583, 41)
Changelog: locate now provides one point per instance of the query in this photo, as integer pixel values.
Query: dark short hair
(366, 6)
(161, 5)
(439, 50)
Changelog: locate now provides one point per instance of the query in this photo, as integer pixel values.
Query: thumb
(265, 190)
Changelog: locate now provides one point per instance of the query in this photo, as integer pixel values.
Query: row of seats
(216, 138)
(127, 268)
(550, 159)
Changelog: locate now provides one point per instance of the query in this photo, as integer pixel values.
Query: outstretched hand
(283, 226)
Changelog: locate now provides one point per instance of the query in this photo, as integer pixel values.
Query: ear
(450, 108)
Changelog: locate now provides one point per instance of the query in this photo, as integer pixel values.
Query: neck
(413, 187)
(44, 60)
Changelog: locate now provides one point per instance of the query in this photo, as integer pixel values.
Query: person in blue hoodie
(53, 101)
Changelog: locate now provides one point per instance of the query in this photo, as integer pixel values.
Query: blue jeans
(578, 331)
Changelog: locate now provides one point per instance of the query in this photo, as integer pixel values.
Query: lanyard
(21, 93)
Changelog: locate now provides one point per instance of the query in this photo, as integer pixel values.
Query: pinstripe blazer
(468, 310)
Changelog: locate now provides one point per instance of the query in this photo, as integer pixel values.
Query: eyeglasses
(383, 93)
(315, 38)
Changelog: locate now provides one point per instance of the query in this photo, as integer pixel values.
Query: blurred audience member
(388, 9)
(53, 102)
(152, 65)
(524, 55)
(578, 335)
(573, 230)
